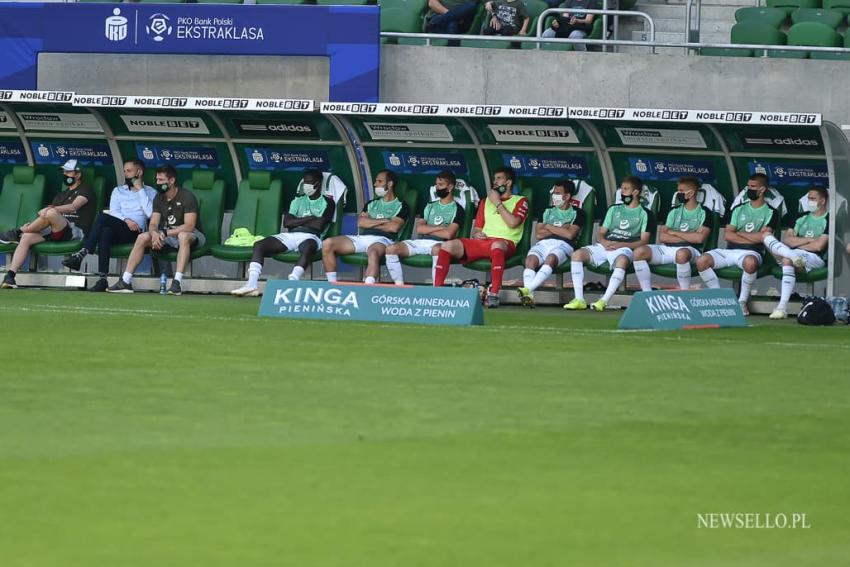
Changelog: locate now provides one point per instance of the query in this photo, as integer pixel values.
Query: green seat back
(485, 43)
(711, 242)
(402, 16)
(814, 34)
(830, 18)
(834, 56)
(791, 5)
(535, 8)
(585, 237)
(21, 197)
(840, 5)
(757, 32)
(98, 185)
(525, 242)
(410, 196)
(209, 192)
(258, 204)
(773, 16)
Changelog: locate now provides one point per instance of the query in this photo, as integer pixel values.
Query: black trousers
(106, 231)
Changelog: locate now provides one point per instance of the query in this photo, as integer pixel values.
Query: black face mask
(752, 194)
(500, 189)
(130, 181)
(443, 193)
(682, 198)
(627, 199)
(69, 181)
(162, 187)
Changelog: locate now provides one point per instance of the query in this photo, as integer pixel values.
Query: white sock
(542, 275)
(331, 277)
(178, 276)
(683, 274)
(644, 276)
(254, 271)
(777, 248)
(710, 279)
(369, 280)
(747, 281)
(577, 272)
(127, 277)
(788, 281)
(527, 277)
(394, 268)
(433, 269)
(296, 274)
(617, 277)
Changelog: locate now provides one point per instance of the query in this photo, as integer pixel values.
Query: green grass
(159, 431)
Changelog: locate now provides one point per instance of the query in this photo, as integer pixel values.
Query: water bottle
(163, 279)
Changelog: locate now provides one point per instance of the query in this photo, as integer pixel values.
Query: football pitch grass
(159, 431)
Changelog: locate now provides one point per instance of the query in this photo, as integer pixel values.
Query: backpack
(816, 311)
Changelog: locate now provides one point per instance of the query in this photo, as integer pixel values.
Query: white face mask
(557, 199)
(813, 206)
(308, 189)
(380, 191)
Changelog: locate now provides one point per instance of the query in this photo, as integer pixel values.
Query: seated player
(802, 246)
(627, 226)
(379, 223)
(745, 233)
(556, 234)
(174, 224)
(67, 217)
(309, 214)
(440, 221)
(498, 228)
(688, 225)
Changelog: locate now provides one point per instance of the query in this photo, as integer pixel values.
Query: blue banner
(707, 308)
(655, 169)
(280, 159)
(348, 35)
(791, 173)
(381, 303)
(12, 152)
(547, 165)
(58, 153)
(425, 162)
(178, 156)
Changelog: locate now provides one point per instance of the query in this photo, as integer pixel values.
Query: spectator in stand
(506, 17)
(574, 24)
(450, 16)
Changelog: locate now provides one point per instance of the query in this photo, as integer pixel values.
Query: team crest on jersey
(750, 226)
(558, 223)
(684, 226)
(379, 216)
(810, 234)
(438, 219)
(624, 223)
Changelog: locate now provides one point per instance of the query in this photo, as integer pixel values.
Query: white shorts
(598, 255)
(813, 261)
(292, 240)
(551, 247)
(364, 241)
(664, 254)
(724, 258)
(421, 246)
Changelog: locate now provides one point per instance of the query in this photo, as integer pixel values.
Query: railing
(692, 22)
(605, 13)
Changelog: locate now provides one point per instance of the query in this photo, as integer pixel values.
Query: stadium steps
(717, 19)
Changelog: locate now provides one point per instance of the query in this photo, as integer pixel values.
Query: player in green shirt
(802, 246)
(751, 223)
(627, 226)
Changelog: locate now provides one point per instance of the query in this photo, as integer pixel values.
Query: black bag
(816, 311)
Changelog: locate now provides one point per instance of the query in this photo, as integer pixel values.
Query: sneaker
(73, 262)
(8, 282)
(599, 305)
(744, 309)
(799, 262)
(576, 305)
(246, 291)
(120, 287)
(10, 236)
(492, 301)
(778, 314)
(100, 285)
(175, 289)
(526, 297)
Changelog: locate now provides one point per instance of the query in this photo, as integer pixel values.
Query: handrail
(689, 45)
(617, 13)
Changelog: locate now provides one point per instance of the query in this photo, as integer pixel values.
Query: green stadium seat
(402, 16)
(810, 34)
(535, 8)
(669, 270)
(522, 246)
(831, 18)
(748, 32)
(20, 199)
(816, 275)
(486, 44)
(791, 5)
(834, 56)
(734, 272)
(209, 192)
(840, 5)
(424, 260)
(258, 204)
(417, 41)
(409, 196)
(773, 16)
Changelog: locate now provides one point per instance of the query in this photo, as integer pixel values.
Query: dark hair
(761, 178)
(820, 190)
(448, 176)
(509, 173)
(568, 186)
(635, 182)
(390, 175)
(135, 161)
(313, 173)
(168, 170)
(692, 181)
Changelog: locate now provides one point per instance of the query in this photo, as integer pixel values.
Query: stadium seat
(402, 16)
(831, 18)
(522, 246)
(20, 199)
(210, 194)
(257, 208)
(773, 16)
(409, 196)
(734, 272)
(486, 44)
(839, 56)
(840, 5)
(810, 34)
(535, 8)
(669, 270)
(791, 5)
(816, 275)
(424, 260)
(752, 32)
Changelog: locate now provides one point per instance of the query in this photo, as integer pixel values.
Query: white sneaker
(778, 314)
(246, 291)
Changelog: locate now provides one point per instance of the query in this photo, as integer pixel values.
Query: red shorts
(478, 249)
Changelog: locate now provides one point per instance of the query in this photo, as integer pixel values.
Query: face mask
(308, 189)
(752, 194)
(162, 187)
(557, 200)
(380, 191)
(443, 193)
(627, 199)
(130, 181)
(682, 198)
(813, 206)
(500, 189)
(69, 181)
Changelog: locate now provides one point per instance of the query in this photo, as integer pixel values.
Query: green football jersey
(681, 219)
(381, 209)
(559, 217)
(303, 206)
(438, 214)
(811, 226)
(625, 224)
(746, 218)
